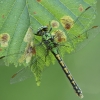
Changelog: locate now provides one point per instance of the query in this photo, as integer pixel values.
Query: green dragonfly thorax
(49, 42)
(47, 38)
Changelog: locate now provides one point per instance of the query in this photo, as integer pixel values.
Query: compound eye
(45, 29)
(41, 30)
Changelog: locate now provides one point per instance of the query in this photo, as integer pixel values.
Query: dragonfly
(51, 45)
(48, 41)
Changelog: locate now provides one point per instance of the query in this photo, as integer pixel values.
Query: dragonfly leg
(50, 29)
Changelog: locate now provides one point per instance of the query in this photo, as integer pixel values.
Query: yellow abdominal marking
(73, 82)
(70, 76)
(78, 90)
(76, 87)
(66, 70)
(62, 63)
(58, 56)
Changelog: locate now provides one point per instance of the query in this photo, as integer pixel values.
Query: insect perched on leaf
(50, 47)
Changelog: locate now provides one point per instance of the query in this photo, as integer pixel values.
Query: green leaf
(16, 16)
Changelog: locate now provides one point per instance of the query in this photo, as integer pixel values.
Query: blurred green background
(84, 66)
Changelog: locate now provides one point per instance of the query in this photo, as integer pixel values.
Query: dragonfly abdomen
(68, 74)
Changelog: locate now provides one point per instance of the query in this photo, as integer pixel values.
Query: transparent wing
(77, 42)
(88, 36)
(21, 75)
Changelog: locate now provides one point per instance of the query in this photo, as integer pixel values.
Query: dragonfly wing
(21, 75)
(89, 34)
(77, 42)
